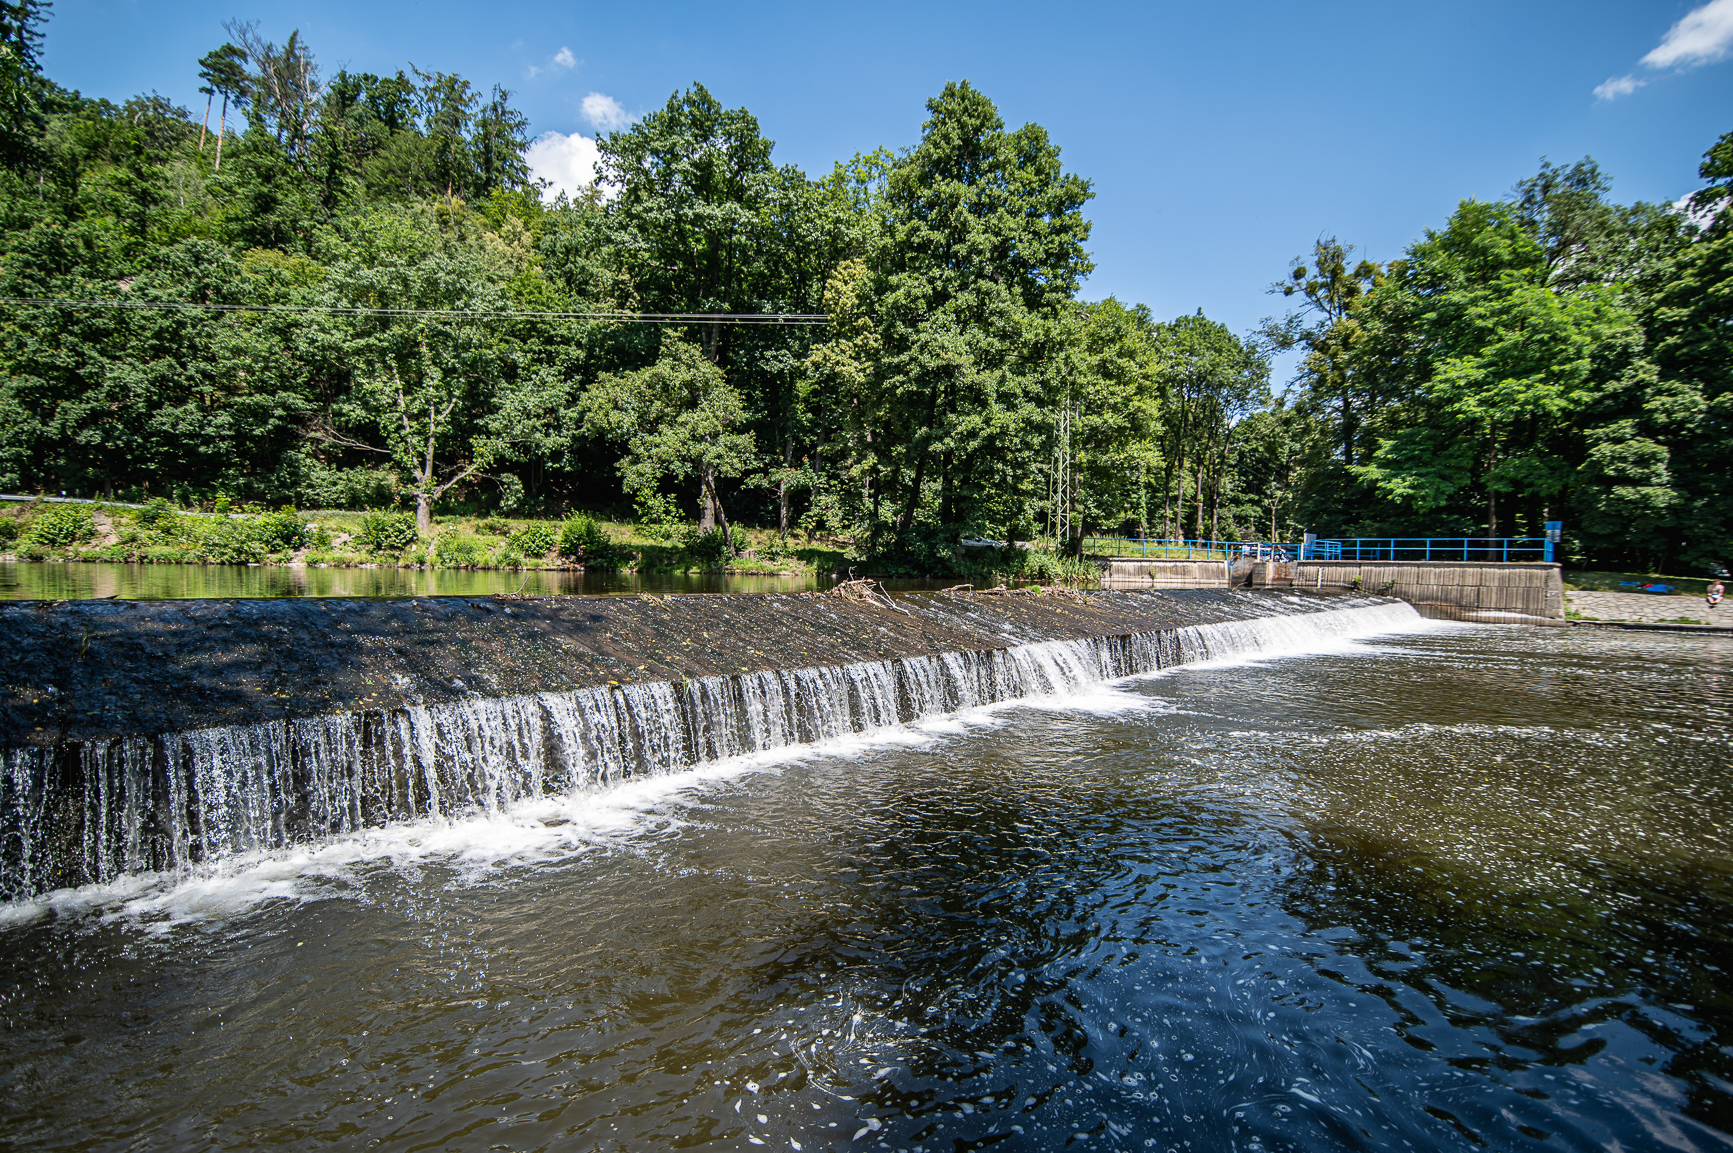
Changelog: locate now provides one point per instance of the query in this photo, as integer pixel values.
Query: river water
(62, 580)
(1458, 887)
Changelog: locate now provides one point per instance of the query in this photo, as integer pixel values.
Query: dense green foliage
(1551, 356)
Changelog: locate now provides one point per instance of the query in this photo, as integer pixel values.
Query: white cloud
(1618, 86)
(604, 112)
(567, 163)
(532, 72)
(1702, 37)
(565, 59)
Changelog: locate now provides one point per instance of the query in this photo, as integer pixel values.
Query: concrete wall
(1164, 574)
(1490, 592)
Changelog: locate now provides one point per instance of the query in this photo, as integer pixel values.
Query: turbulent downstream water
(1444, 887)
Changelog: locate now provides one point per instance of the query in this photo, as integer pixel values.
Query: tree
(1212, 380)
(1113, 364)
(447, 107)
(497, 147)
(677, 417)
(23, 114)
(283, 88)
(979, 256)
(444, 400)
(1329, 327)
(224, 71)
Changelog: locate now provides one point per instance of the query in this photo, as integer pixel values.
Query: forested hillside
(1551, 356)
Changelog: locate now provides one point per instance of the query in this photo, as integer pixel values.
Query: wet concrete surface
(88, 669)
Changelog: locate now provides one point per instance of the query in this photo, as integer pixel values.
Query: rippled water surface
(1461, 888)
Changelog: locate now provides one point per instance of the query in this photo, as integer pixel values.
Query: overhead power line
(771, 318)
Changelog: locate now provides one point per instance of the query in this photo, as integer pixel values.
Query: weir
(339, 717)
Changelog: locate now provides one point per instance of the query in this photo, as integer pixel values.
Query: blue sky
(1222, 139)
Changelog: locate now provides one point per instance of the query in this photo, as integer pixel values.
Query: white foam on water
(1355, 636)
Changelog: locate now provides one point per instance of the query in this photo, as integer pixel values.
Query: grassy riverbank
(162, 534)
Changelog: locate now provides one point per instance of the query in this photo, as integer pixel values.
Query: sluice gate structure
(1498, 580)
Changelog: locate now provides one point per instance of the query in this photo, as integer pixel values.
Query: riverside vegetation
(1550, 355)
(158, 533)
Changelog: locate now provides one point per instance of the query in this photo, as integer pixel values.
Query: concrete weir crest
(147, 736)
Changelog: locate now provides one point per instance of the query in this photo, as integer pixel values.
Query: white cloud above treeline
(564, 58)
(1702, 36)
(567, 163)
(604, 112)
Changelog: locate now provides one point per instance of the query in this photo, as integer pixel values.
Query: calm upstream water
(1463, 887)
(56, 580)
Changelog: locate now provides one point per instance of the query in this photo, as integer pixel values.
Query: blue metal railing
(1183, 549)
(1471, 548)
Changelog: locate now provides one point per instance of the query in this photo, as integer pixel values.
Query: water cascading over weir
(148, 736)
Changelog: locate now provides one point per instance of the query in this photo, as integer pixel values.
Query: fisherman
(1716, 591)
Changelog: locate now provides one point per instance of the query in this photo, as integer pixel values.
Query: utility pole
(1059, 489)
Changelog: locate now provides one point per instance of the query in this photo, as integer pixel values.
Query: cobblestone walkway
(1649, 608)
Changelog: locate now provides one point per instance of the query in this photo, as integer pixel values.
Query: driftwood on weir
(865, 589)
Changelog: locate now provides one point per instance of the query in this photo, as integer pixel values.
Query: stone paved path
(1649, 608)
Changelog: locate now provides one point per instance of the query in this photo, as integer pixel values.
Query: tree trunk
(1167, 501)
(707, 489)
(1347, 428)
(1215, 510)
(424, 482)
(1491, 496)
(222, 127)
(1179, 505)
(782, 490)
(1202, 460)
(721, 516)
(204, 124)
(947, 513)
(908, 516)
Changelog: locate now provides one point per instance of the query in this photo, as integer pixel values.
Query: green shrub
(656, 515)
(221, 505)
(9, 529)
(508, 557)
(536, 539)
(282, 531)
(494, 526)
(33, 551)
(157, 512)
(711, 547)
(581, 537)
(454, 551)
(162, 554)
(62, 526)
(232, 542)
(390, 532)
